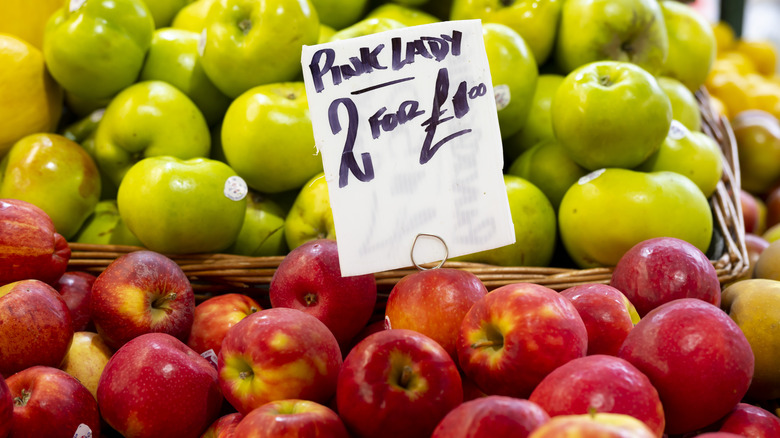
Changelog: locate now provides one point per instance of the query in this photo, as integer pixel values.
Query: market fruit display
(145, 144)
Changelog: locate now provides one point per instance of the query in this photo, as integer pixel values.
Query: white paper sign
(406, 124)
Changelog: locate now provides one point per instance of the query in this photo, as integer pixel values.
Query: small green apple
(620, 30)
(535, 20)
(609, 211)
(148, 119)
(549, 167)
(82, 107)
(173, 58)
(339, 14)
(179, 206)
(250, 43)
(690, 153)
(537, 125)
(98, 48)
(105, 227)
(267, 137)
(55, 174)
(685, 107)
(163, 11)
(535, 228)
(758, 147)
(310, 216)
(692, 46)
(406, 15)
(262, 233)
(514, 73)
(193, 16)
(610, 114)
(367, 26)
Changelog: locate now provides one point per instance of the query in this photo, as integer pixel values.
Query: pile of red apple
(130, 352)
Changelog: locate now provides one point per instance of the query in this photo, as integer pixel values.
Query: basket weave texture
(213, 274)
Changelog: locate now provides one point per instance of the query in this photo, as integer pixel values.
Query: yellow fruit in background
(724, 36)
(737, 61)
(719, 107)
(731, 89)
(26, 19)
(766, 96)
(763, 54)
(30, 99)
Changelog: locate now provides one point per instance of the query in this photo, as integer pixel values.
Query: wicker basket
(213, 274)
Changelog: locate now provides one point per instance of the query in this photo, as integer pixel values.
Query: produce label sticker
(406, 124)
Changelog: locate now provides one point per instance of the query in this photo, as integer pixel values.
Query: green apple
(685, 107)
(535, 20)
(620, 30)
(193, 16)
(249, 43)
(610, 114)
(179, 206)
(148, 119)
(55, 174)
(163, 11)
(82, 107)
(537, 126)
(367, 26)
(406, 15)
(692, 46)
(326, 33)
(690, 153)
(105, 227)
(549, 167)
(310, 216)
(173, 58)
(535, 228)
(97, 49)
(267, 137)
(339, 14)
(262, 233)
(514, 73)
(757, 134)
(609, 211)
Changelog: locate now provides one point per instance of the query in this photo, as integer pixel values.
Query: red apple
(35, 326)
(309, 279)
(76, 289)
(6, 409)
(277, 354)
(397, 383)
(214, 316)
(30, 247)
(434, 302)
(754, 212)
(600, 425)
(751, 421)
(224, 426)
(696, 357)
(49, 402)
(156, 386)
(607, 313)
(659, 270)
(719, 435)
(490, 417)
(600, 383)
(291, 418)
(142, 292)
(516, 335)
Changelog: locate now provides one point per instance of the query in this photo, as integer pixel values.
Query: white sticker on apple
(83, 431)
(202, 43)
(210, 356)
(590, 177)
(677, 130)
(97, 115)
(75, 5)
(388, 326)
(503, 96)
(236, 188)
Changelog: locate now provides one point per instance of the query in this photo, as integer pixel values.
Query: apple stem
(25, 397)
(488, 343)
(406, 376)
(245, 25)
(605, 81)
(310, 299)
(164, 299)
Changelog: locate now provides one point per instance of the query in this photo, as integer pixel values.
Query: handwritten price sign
(406, 124)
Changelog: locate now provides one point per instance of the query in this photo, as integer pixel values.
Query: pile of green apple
(186, 125)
